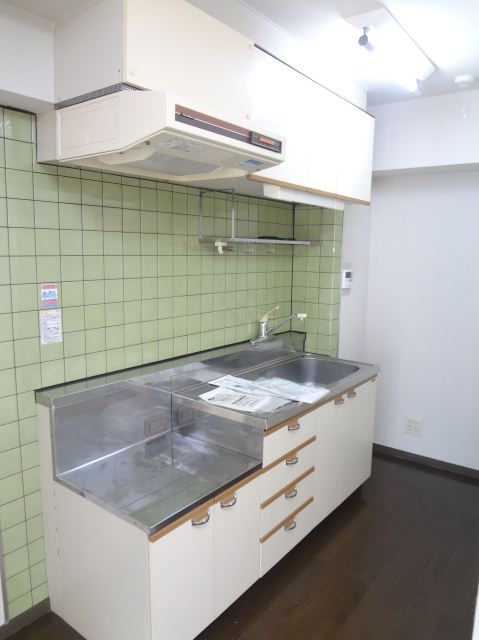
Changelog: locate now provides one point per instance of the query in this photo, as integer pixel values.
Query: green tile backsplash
(135, 287)
(316, 276)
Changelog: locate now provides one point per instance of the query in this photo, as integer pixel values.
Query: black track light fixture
(364, 40)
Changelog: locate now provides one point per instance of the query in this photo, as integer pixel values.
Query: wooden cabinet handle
(290, 525)
(201, 521)
(293, 460)
(294, 427)
(291, 494)
(352, 394)
(226, 504)
(339, 400)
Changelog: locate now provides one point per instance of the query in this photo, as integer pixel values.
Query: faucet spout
(280, 324)
(266, 333)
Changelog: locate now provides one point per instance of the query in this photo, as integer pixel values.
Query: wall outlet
(414, 426)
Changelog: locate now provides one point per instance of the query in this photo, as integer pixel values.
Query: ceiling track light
(364, 40)
(397, 57)
(465, 81)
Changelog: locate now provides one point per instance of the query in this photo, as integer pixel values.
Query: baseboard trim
(464, 472)
(25, 618)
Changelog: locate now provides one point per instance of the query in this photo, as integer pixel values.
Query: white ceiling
(446, 30)
(49, 9)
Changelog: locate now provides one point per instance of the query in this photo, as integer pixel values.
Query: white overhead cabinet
(278, 96)
(160, 45)
(170, 45)
(329, 141)
(353, 141)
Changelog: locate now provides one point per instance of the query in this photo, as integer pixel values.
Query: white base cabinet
(356, 427)
(327, 461)
(236, 557)
(198, 569)
(182, 581)
(286, 538)
(343, 454)
(110, 582)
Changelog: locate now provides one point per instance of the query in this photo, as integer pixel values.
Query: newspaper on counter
(278, 387)
(230, 399)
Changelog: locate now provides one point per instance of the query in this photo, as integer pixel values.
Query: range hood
(154, 135)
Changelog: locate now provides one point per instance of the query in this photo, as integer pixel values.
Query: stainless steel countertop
(149, 449)
(153, 482)
(55, 396)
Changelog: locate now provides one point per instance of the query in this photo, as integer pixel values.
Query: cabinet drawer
(285, 439)
(293, 497)
(284, 472)
(286, 537)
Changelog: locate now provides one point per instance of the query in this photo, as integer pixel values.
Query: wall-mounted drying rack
(222, 243)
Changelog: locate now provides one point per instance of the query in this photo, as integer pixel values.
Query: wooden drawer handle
(226, 504)
(290, 525)
(201, 521)
(352, 394)
(293, 460)
(339, 400)
(294, 427)
(291, 494)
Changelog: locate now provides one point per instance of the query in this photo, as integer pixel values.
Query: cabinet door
(304, 112)
(354, 148)
(277, 91)
(329, 141)
(328, 459)
(237, 546)
(323, 132)
(181, 580)
(173, 46)
(357, 436)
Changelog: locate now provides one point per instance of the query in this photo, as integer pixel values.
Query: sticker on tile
(48, 295)
(50, 326)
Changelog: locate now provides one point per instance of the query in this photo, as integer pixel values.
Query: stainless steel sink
(246, 359)
(309, 370)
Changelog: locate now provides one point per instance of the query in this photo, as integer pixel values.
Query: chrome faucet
(265, 332)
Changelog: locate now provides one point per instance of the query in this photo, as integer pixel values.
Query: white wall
(26, 59)
(2, 608)
(2, 589)
(355, 253)
(439, 131)
(423, 312)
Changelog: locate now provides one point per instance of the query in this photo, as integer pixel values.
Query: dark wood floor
(399, 561)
